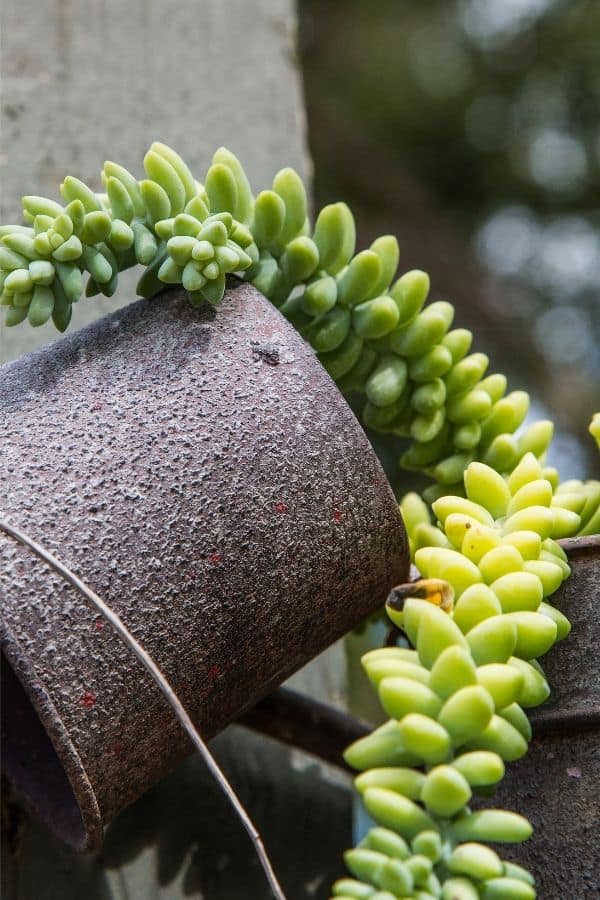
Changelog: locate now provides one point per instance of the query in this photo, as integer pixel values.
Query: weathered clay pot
(202, 473)
(557, 784)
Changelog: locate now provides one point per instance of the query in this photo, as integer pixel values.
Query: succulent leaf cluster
(376, 336)
(181, 231)
(583, 497)
(457, 697)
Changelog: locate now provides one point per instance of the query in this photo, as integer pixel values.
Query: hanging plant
(483, 536)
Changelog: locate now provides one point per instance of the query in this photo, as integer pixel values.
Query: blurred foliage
(471, 128)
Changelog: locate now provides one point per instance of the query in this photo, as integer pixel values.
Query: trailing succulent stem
(373, 331)
(489, 557)
(478, 624)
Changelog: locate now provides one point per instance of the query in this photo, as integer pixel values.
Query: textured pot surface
(202, 473)
(557, 784)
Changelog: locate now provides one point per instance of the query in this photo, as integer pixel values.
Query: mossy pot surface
(202, 473)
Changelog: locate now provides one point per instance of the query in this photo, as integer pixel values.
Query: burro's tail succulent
(182, 232)
(372, 330)
(456, 693)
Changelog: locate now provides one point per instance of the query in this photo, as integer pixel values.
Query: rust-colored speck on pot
(190, 466)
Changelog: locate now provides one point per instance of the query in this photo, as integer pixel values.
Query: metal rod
(325, 732)
(179, 710)
(566, 721)
(304, 723)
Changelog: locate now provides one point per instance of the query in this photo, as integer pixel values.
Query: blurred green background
(471, 130)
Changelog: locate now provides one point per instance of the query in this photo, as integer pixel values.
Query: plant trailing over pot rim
(489, 557)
